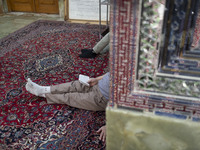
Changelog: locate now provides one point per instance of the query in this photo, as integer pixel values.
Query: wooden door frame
(33, 7)
(9, 6)
(42, 6)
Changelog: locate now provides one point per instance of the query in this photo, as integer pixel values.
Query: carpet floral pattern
(48, 53)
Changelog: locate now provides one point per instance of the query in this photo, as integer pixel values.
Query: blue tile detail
(178, 116)
(196, 119)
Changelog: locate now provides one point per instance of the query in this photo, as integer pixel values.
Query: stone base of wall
(130, 130)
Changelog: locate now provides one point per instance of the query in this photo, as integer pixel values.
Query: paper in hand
(84, 79)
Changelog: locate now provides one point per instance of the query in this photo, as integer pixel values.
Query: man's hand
(92, 81)
(102, 132)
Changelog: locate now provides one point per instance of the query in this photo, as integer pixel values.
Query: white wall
(86, 10)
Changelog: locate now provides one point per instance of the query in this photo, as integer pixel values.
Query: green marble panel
(128, 130)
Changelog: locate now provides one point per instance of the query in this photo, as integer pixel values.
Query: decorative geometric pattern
(147, 74)
(135, 83)
(41, 64)
(49, 62)
(123, 43)
(196, 37)
(48, 53)
(176, 53)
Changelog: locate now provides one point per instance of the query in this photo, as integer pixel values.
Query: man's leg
(102, 44)
(92, 100)
(106, 49)
(74, 86)
(70, 87)
(98, 48)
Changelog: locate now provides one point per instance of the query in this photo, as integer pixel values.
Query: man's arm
(100, 77)
(94, 81)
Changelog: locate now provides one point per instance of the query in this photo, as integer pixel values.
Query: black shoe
(105, 32)
(88, 54)
(86, 50)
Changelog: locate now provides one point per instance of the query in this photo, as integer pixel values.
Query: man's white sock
(37, 89)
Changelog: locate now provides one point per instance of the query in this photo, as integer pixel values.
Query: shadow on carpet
(48, 53)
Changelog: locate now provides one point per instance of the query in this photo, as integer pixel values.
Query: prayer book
(84, 79)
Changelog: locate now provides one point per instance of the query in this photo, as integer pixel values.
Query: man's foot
(88, 54)
(36, 89)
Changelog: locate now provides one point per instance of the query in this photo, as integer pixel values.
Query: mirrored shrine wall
(155, 63)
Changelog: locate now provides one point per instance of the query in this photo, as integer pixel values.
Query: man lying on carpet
(101, 47)
(94, 97)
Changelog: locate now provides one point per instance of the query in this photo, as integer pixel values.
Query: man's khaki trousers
(77, 95)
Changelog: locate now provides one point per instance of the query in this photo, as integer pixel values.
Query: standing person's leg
(102, 44)
(92, 100)
(99, 47)
(106, 49)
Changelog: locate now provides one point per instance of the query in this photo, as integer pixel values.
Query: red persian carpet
(48, 53)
